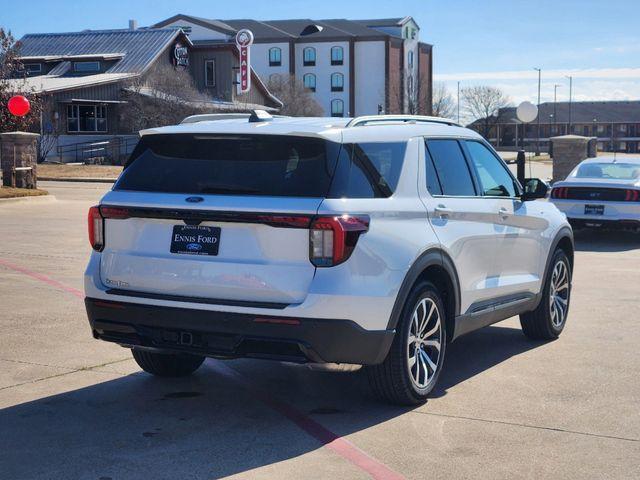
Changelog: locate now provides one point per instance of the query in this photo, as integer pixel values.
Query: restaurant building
(89, 80)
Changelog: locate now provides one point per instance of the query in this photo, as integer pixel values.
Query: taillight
(632, 196)
(97, 216)
(332, 239)
(560, 192)
(96, 229)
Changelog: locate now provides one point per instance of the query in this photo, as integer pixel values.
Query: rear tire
(547, 321)
(167, 364)
(415, 360)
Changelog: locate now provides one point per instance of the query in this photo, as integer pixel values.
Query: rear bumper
(223, 334)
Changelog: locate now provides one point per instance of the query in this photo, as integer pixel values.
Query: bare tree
(12, 82)
(163, 96)
(443, 103)
(411, 94)
(297, 100)
(483, 103)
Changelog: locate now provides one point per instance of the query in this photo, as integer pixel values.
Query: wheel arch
(435, 266)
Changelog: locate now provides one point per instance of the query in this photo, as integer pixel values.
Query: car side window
(494, 179)
(433, 184)
(451, 168)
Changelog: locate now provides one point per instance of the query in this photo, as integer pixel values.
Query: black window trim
(337, 88)
(275, 63)
(206, 76)
(309, 63)
(339, 61)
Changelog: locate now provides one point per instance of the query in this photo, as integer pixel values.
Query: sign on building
(244, 38)
(180, 56)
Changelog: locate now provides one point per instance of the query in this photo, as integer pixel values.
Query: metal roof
(138, 48)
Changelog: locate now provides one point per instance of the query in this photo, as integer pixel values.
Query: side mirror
(534, 188)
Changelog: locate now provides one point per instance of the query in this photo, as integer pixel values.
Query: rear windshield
(231, 164)
(617, 171)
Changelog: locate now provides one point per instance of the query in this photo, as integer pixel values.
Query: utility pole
(458, 102)
(570, 98)
(555, 104)
(538, 136)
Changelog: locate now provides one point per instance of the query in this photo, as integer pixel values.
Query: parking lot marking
(332, 441)
(326, 437)
(42, 278)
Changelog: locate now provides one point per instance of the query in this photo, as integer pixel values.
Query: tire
(167, 364)
(400, 379)
(547, 321)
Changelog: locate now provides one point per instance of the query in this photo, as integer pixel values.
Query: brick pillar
(18, 159)
(568, 152)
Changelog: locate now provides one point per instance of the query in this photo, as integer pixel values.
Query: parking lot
(506, 407)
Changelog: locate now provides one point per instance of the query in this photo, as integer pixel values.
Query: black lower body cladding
(230, 335)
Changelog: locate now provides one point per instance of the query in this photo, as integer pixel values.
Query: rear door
(215, 218)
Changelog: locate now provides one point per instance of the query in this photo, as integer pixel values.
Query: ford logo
(194, 247)
(194, 199)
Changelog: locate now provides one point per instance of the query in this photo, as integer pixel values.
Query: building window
(309, 80)
(309, 57)
(337, 82)
(275, 57)
(33, 68)
(86, 118)
(209, 73)
(337, 108)
(410, 59)
(337, 55)
(86, 67)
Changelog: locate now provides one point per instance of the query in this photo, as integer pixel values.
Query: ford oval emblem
(194, 247)
(194, 199)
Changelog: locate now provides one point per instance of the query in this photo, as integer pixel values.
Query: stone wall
(568, 152)
(18, 159)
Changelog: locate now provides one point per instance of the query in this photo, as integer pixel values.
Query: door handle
(442, 211)
(503, 212)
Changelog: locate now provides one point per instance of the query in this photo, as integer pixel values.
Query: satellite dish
(527, 112)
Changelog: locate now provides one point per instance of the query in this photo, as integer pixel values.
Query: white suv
(374, 241)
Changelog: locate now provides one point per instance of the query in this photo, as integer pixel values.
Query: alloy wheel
(424, 342)
(559, 294)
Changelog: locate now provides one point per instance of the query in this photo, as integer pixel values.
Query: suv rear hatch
(216, 218)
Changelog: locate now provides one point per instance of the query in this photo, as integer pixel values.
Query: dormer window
(86, 67)
(33, 68)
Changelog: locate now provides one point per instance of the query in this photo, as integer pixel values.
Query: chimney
(133, 24)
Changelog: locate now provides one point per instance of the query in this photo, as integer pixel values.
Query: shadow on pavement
(606, 240)
(208, 425)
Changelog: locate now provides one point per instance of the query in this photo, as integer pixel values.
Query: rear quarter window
(273, 165)
(368, 170)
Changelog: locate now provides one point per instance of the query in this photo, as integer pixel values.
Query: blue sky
(495, 42)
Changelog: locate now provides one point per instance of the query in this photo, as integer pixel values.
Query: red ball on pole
(19, 105)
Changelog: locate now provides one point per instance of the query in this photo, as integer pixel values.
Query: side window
(495, 181)
(368, 170)
(451, 168)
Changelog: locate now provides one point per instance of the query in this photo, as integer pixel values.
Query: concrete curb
(39, 199)
(77, 179)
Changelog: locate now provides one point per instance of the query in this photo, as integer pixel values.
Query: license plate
(594, 209)
(195, 240)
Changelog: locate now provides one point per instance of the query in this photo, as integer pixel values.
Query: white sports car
(601, 192)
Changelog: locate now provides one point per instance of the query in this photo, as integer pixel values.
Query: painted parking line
(326, 437)
(43, 278)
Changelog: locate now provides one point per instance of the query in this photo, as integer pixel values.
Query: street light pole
(538, 136)
(555, 103)
(570, 99)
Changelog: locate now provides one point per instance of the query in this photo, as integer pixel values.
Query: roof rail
(210, 117)
(370, 119)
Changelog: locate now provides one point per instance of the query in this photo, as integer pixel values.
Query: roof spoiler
(373, 119)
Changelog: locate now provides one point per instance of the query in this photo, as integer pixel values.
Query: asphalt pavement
(506, 407)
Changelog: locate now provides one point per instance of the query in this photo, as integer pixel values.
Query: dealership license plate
(195, 240)
(594, 209)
